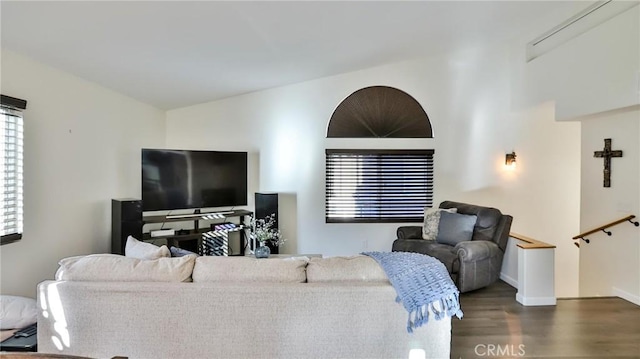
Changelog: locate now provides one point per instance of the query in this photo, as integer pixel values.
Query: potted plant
(264, 234)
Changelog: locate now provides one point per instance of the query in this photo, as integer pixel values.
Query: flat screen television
(185, 179)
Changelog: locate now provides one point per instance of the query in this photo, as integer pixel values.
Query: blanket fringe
(448, 306)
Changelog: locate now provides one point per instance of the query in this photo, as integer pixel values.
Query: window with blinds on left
(11, 168)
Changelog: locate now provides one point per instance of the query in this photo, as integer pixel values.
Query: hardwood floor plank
(495, 325)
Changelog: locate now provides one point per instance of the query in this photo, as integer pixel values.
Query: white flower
(263, 231)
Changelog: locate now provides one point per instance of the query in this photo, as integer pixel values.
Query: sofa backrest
(214, 269)
(491, 224)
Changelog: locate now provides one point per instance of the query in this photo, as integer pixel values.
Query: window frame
(416, 212)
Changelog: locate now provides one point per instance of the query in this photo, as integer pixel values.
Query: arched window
(378, 185)
(379, 112)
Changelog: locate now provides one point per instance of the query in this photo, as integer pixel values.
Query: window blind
(11, 180)
(378, 185)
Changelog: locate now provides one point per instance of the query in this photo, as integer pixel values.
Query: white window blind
(11, 158)
(378, 185)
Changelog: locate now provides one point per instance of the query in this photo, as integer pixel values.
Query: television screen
(182, 179)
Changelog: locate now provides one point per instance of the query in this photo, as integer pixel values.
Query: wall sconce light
(510, 160)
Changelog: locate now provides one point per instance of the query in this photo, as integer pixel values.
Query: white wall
(82, 148)
(595, 72)
(543, 193)
(509, 270)
(467, 97)
(611, 265)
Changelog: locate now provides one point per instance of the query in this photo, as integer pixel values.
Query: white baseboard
(626, 296)
(510, 281)
(535, 301)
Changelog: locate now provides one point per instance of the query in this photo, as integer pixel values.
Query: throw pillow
(345, 269)
(116, 268)
(17, 312)
(455, 228)
(141, 250)
(180, 252)
(432, 220)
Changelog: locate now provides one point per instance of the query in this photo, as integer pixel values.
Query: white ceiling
(173, 54)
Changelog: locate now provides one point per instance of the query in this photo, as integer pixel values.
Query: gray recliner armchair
(472, 264)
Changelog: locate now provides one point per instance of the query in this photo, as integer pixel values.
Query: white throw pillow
(141, 250)
(17, 312)
(358, 268)
(247, 269)
(114, 268)
(431, 222)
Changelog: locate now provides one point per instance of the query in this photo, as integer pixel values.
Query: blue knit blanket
(423, 285)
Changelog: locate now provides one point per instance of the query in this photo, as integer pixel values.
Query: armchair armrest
(472, 251)
(409, 232)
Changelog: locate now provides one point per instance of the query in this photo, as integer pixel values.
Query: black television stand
(195, 238)
(201, 232)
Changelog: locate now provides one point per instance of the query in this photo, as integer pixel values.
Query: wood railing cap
(530, 243)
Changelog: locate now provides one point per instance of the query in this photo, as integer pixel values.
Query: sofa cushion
(447, 255)
(113, 267)
(142, 250)
(248, 269)
(344, 269)
(431, 222)
(455, 228)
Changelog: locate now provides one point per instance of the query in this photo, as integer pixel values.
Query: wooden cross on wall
(607, 154)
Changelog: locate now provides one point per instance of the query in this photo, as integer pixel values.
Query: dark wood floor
(495, 325)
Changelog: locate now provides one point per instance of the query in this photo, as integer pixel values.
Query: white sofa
(103, 306)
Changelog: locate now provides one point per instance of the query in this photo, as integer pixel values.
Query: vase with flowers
(265, 235)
